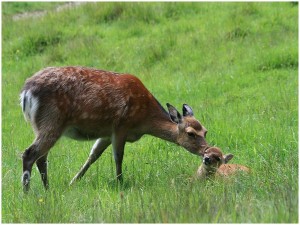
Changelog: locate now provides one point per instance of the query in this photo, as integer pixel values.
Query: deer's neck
(165, 129)
(201, 172)
(205, 171)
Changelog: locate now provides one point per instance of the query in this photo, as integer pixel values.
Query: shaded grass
(236, 64)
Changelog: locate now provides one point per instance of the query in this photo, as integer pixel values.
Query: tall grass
(236, 64)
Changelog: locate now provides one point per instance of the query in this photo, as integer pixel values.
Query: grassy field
(236, 64)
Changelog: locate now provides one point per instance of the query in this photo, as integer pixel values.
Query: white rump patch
(29, 104)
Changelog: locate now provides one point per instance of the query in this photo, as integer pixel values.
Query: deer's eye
(191, 134)
(217, 158)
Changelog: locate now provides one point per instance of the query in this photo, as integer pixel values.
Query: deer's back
(229, 169)
(90, 101)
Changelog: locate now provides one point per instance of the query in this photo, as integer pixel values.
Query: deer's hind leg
(48, 126)
(42, 166)
(37, 152)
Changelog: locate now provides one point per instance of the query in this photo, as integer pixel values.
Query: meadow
(235, 64)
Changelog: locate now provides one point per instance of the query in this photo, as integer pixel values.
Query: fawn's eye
(217, 158)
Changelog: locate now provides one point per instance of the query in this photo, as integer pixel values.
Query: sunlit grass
(235, 64)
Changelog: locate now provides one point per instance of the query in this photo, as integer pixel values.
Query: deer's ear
(228, 157)
(174, 114)
(187, 110)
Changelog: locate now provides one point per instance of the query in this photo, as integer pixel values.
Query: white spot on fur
(92, 117)
(119, 113)
(84, 115)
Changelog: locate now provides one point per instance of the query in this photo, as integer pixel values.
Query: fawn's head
(214, 158)
(191, 134)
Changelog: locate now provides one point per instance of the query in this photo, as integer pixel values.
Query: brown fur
(215, 163)
(85, 103)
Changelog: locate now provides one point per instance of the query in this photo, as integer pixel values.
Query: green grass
(236, 64)
(12, 8)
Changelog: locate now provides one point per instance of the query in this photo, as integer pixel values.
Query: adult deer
(86, 103)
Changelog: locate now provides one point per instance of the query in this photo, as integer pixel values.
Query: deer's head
(213, 158)
(191, 134)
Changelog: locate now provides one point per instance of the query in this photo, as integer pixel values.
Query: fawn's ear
(227, 158)
(174, 114)
(187, 110)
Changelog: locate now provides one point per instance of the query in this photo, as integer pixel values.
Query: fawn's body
(84, 104)
(215, 163)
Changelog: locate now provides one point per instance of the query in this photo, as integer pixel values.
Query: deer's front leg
(97, 150)
(118, 143)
